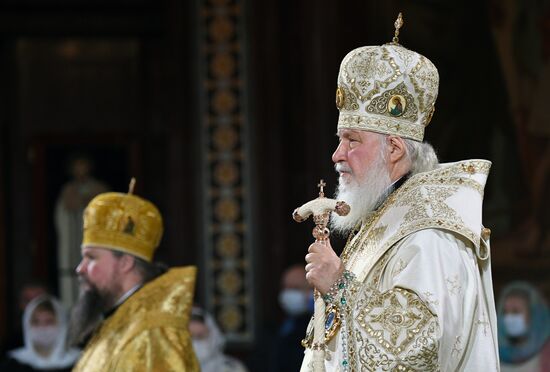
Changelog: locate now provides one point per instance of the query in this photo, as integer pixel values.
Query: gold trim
(381, 124)
(449, 179)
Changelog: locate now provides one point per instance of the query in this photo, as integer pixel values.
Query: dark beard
(86, 315)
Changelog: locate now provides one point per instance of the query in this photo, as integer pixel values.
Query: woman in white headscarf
(44, 332)
(523, 329)
(208, 343)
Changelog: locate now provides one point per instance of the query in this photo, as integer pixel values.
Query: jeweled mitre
(387, 89)
(123, 222)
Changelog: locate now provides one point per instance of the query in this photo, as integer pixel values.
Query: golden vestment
(419, 296)
(147, 332)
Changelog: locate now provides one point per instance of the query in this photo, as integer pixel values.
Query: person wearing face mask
(296, 300)
(30, 290)
(44, 332)
(523, 329)
(208, 343)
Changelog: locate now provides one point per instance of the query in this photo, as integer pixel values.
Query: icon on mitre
(396, 105)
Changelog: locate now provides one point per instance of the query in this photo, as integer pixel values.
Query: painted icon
(130, 226)
(396, 105)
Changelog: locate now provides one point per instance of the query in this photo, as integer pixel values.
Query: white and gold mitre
(387, 89)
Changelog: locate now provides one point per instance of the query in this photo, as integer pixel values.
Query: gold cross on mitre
(132, 185)
(398, 24)
(321, 185)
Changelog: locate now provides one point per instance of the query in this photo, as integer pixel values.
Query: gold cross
(132, 185)
(321, 186)
(398, 24)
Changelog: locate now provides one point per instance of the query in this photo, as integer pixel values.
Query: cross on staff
(321, 185)
(321, 208)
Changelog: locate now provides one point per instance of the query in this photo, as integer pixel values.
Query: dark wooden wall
(293, 51)
(113, 78)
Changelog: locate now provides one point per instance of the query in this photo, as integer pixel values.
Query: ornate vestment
(419, 296)
(147, 332)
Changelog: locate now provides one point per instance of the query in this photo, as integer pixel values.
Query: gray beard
(87, 314)
(363, 197)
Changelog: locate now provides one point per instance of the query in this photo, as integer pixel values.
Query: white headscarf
(60, 357)
(209, 351)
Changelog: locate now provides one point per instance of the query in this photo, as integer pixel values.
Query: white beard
(363, 196)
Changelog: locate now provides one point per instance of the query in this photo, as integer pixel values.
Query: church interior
(223, 111)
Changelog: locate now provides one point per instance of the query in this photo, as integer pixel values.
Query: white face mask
(293, 301)
(45, 336)
(203, 349)
(515, 325)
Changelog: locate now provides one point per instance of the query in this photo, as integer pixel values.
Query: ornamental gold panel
(230, 318)
(221, 29)
(224, 101)
(223, 65)
(225, 138)
(227, 209)
(227, 265)
(230, 282)
(226, 173)
(228, 245)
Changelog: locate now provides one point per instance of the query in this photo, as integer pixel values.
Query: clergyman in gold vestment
(133, 313)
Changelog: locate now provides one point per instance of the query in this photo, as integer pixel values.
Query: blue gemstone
(330, 320)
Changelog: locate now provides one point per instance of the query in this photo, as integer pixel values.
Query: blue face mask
(293, 301)
(515, 325)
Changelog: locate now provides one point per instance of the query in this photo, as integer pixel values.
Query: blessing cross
(321, 185)
(320, 208)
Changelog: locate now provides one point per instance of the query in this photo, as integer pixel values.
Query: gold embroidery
(401, 333)
(385, 125)
(349, 102)
(394, 318)
(426, 97)
(340, 97)
(428, 202)
(154, 318)
(366, 69)
(442, 183)
(395, 330)
(357, 240)
(428, 298)
(429, 117)
(379, 105)
(371, 73)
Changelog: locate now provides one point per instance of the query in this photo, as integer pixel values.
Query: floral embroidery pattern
(453, 285)
(394, 318)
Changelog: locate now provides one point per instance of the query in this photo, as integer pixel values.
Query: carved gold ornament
(340, 98)
(387, 89)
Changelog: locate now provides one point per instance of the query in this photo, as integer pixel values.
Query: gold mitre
(123, 222)
(387, 89)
